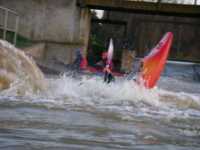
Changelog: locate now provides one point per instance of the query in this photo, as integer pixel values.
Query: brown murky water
(85, 113)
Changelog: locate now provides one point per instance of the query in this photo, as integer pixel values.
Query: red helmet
(104, 55)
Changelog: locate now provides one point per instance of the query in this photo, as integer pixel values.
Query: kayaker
(104, 58)
(141, 66)
(136, 71)
(140, 74)
(108, 76)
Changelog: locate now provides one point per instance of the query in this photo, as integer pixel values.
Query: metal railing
(7, 20)
(187, 2)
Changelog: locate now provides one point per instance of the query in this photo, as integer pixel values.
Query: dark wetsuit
(108, 77)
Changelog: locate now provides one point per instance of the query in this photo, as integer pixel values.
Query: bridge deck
(143, 7)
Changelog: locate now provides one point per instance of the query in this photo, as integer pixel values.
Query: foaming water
(90, 93)
(83, 112)
(19, 70)
(94, 90)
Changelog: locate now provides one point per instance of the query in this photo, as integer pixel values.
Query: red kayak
(99, 70)
(154, 63)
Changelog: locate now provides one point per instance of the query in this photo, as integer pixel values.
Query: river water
(83, 113)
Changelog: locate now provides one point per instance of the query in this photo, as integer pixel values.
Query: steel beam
(143, 7)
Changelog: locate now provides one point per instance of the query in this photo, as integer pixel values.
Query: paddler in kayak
(108, 76)
(102, 63)
(137, 69)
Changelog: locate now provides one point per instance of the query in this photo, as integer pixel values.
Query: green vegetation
(95, 52)
(21, 41)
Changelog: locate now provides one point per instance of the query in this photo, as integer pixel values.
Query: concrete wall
(182, 70)
(145, 31)
(54, 22)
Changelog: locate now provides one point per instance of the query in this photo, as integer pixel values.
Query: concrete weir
(61, 25)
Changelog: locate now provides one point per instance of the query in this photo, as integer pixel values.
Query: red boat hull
(154, 63)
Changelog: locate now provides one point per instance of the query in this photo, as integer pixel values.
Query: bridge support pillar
(85, 24)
